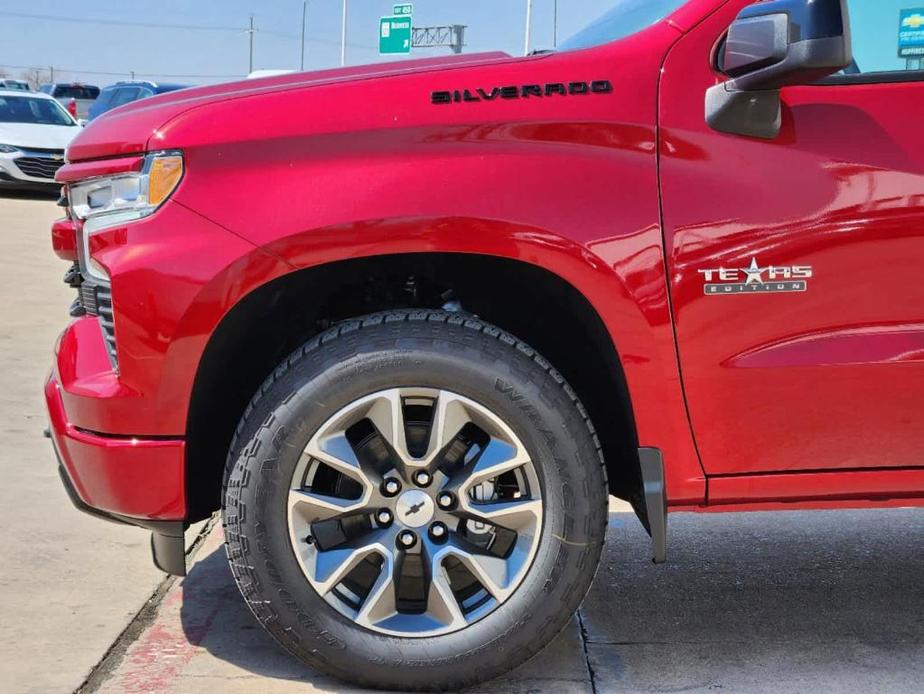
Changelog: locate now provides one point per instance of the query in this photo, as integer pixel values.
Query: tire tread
(246, 446)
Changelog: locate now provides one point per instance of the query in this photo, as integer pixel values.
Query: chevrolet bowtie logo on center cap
(414, 508)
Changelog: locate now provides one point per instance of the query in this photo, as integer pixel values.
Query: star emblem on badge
(754, 272)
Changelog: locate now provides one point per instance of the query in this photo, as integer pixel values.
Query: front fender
(316, 176)
(626, 288)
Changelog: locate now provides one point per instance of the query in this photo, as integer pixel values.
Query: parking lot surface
(69, 583)
(793, 601)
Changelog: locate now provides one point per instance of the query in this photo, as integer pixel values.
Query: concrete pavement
(69, 583)
(760, 602)
(801, 602)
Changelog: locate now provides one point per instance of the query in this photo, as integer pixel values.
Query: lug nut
(391, 486)
(438, 531)
(445, 500)
(383, 516)
(407, 539)
(422, 478)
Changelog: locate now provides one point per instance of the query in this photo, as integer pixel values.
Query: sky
(87, 46)
(80, 46)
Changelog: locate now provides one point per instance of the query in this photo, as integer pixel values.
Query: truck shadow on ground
(746, 601)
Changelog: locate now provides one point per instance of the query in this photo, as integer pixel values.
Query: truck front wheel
(414, 500)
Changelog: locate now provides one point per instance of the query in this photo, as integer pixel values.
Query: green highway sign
(395, 35)
(405, 8)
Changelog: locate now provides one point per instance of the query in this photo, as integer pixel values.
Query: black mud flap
(168, 548)
(651, 464)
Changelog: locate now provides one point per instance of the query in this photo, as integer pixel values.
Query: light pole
(250, 31)
(554, 23)
(529, 17)
(343, 34)
(304, 21)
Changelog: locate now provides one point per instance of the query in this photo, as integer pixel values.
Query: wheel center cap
(414, 508)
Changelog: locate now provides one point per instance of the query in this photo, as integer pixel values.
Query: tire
(450, 353)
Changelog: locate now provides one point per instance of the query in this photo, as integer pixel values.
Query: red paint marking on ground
(155, 661)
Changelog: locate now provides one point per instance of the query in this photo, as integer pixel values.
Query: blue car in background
(125, 92)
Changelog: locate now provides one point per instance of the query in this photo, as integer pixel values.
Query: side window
(888, 41)
(124, 95)
(105, 96)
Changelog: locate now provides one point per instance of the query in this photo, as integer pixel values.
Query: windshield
(75, 92)
(625, 18)
(30, 109)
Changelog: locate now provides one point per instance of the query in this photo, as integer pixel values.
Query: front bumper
(128, 476)
(124, 367)
(124, 480)
(30, 169)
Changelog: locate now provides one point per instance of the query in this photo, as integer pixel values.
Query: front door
(795, 264)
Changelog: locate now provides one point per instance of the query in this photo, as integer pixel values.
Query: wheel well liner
(529, 301)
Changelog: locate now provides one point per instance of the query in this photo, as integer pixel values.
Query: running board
(651, 464)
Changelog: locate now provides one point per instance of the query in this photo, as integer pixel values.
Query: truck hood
(133, 128)
(37, 135)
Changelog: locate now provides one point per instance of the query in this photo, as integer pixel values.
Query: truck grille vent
(87, 294)
(94, 300)
(107, 322)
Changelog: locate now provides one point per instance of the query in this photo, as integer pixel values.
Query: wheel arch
(523, 297)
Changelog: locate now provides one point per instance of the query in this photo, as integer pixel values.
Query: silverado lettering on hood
(525, 91)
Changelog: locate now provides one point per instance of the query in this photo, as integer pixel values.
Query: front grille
(39, 167)
(87, 293)
(107, 321)
(94, 300)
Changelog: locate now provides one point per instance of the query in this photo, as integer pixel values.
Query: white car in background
(34, 132)
(19, 85)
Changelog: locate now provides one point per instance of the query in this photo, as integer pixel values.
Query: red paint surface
(870, 344)
(302, 170)
(78, 171)
(64, 239)
(830, 378)
(127, 476)
(904, 485)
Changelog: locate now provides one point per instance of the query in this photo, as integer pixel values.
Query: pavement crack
(113, 657)
(584, 642)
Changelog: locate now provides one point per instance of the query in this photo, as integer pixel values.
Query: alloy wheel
(414, 511)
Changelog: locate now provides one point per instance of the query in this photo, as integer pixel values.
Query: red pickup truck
(407, 325)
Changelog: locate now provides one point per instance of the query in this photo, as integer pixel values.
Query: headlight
(8, 149)
(110, 201)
